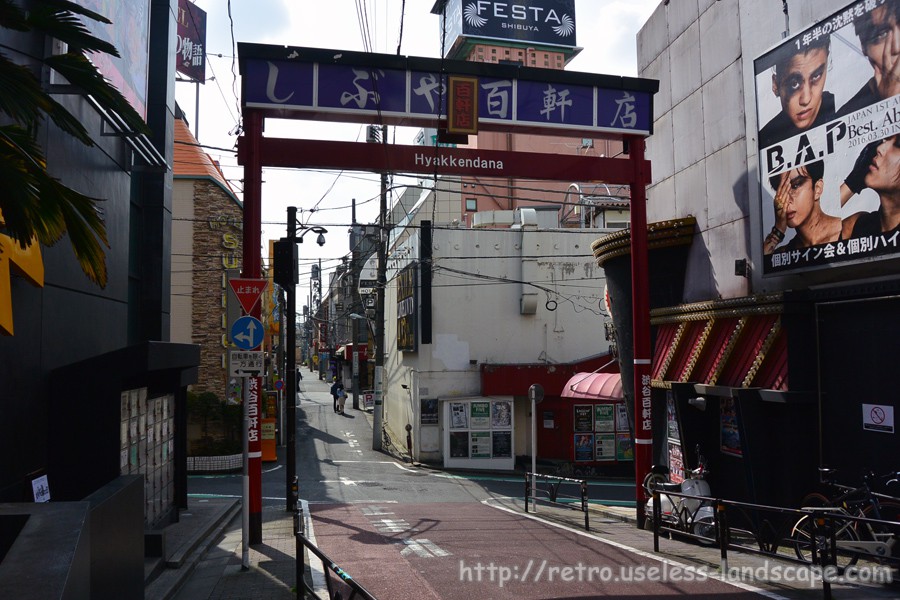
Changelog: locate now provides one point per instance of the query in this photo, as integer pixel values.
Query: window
(471, 204)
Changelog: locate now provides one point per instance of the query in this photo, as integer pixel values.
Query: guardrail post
(527, 490)
(584, 504)
(722, 535)
(657, 513)
(300, 560)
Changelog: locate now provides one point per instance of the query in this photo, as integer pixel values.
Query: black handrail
(553, 493)
(301, 542)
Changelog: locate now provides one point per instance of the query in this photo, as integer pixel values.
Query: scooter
(690, 515)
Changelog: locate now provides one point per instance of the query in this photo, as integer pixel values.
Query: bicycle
(867, 534)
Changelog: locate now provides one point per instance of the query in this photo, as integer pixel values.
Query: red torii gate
(336, 85)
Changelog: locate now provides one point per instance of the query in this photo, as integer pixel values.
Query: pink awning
(594, 386)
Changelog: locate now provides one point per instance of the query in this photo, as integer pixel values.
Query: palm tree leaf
(21, 162)
(26, 102)
(79, 71)
(12, 17)
(40, 206)
(83, 224)
(58, 19)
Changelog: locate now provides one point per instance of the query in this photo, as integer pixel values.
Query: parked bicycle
(868, 531)
(681, 511)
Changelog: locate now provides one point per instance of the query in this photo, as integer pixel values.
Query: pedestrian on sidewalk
(342, 397)
(337, 385)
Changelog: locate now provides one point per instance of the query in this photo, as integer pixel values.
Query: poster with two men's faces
(828, 106)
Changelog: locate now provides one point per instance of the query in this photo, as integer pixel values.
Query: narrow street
(406, 531)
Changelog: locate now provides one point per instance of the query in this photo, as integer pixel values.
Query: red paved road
(460, 551)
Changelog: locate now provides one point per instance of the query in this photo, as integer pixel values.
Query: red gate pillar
(640, 303)
(251, 270)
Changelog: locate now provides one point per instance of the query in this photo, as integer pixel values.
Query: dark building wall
(71, 319)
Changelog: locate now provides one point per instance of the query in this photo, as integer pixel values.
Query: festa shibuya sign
(412, 91)
(829, 142)
(550, 22)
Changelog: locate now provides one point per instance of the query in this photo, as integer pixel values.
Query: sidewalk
(204, 550)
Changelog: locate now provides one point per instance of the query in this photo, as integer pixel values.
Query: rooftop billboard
(539, 22)
(828, 107)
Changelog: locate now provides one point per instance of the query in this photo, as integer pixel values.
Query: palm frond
(12, 17)
(38, 205)
(79, 71)
(58, 20)
(25, 101)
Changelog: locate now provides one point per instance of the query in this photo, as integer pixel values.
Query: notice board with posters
(828, 127)
(601, 432)
(480, 432)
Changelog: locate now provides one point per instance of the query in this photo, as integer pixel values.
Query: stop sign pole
(251, 268)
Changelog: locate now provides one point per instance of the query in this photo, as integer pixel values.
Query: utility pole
(379, 324)
(354, 294)
(286, 275)
(291, 481)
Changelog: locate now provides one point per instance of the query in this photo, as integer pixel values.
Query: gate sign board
(357, 87)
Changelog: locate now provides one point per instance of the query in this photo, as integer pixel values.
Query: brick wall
(218, 239)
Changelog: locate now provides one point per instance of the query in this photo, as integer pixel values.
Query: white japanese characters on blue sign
(348, 90)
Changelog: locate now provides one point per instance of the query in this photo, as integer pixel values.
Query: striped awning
(738, 343)
(594, 386)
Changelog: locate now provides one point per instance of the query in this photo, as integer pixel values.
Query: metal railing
(304, 590)
(553, 496)
(773, 532)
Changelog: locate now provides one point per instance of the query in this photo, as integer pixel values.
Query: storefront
(590, 422)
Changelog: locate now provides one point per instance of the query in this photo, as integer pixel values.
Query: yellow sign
(27, 262)
(267, 440)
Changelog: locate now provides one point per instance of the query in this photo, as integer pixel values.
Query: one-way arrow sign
(248, 291)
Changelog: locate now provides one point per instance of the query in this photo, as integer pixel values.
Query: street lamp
(286, 275)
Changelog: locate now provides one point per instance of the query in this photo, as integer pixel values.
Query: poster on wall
(605, 444)
(621, 417)
(459, 415)
(584, 417)
(480, 444)
(604, 417)
(584, 447)
(501, 446)
(829, 185)
(676, 462)
(459, 444)
(549, 421)
(429, 411)
(672, 431)
(624, 447)
(730, 436)
(480, 415)
(501, 414)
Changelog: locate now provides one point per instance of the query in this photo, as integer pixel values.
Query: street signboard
(246, 364)
(248, 291)
(247, 333)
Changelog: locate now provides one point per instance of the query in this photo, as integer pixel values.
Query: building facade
(768, 357)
